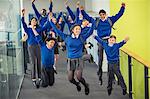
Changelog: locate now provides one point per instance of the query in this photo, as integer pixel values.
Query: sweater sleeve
(120, 44)
(71, 13)
(90, 31)
(59, 16)
(99, 40)
(51, 7)
(36, 11)
(39, 40)
(118, 15)
(57, 31)
(86, 16)
(24, 25)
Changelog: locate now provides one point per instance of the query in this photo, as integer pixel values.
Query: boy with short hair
(112, 52)
(47, 57)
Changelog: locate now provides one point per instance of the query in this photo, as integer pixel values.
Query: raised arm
(86, 16)
(90, 31)
(51, 6)
(70, 11)
(59, 16)
(99, 40)
(119, 14)
(38, 37)
(57, 31)
(123, 42)
(35, 10)
(23, 21)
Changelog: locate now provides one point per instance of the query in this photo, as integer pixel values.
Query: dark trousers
(35, 60)
(114, 68)
(47, 77)
(100, 60)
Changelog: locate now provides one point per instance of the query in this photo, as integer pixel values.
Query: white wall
(58, 5)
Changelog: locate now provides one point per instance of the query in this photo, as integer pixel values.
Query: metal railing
(146, 65)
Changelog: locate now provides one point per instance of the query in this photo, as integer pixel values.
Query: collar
(73, 36)
(110, 45)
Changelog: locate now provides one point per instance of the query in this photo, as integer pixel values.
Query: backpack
(109, 21)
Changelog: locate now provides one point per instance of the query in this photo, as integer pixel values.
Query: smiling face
(85, 23)
(50, 44)
(112, 40)
(43, 12)
(76, 30)
(54, 20)
(33, 22)
(102, 16)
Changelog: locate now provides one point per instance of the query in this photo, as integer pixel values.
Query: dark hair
(32, 19)
(73, 26)
(102, 11)
(113, 36)
(44, 10)
(50, 38)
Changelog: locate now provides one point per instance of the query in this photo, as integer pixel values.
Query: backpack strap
(97, 22)
(110, 22)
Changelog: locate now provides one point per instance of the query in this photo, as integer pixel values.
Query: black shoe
(78, 87)
(109, 91)
(124, 92)
(38, 83)
(55, 71)
(91, 59)
(87, 90)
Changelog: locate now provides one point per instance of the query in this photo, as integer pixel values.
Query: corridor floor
(62, 89)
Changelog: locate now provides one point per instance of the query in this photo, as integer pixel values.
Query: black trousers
(48, 77)
(114, 68)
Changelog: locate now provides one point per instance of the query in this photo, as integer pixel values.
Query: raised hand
(66, 3)
(78, 4)
(126, 38)
(50, 0)
(23, 12)
(33, 1)
(123, 4)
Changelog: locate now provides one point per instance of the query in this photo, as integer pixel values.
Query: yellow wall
(133, 23)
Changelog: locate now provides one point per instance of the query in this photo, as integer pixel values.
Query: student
(33, 48)
(47, 54)
(103, 27)
(112, 52)
(74, 44)
(42, 17)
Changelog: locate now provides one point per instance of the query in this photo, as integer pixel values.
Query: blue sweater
(42, 19)
(104, 28)
(47, 55)
(74, 45)
(112, 52)
(31, 38)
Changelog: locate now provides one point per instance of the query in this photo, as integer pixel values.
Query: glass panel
(124, 67)
(11, 52)
(138, 80)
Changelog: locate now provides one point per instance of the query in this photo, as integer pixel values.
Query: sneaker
(87, 90)
(124, 92)
(38, 83)
(109, 91)
(34, 82)
(78, 87)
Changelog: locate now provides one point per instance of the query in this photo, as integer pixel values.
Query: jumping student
(47, 57)
(33, 48)
(74, 44)
(103, 27)
(112, 52)
(43, 16)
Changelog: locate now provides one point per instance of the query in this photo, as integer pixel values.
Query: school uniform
(34, 50)
(74, 45)
(112, 52)
(47, 57)
(103, 30)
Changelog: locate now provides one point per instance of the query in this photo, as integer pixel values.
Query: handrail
(136, 57)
